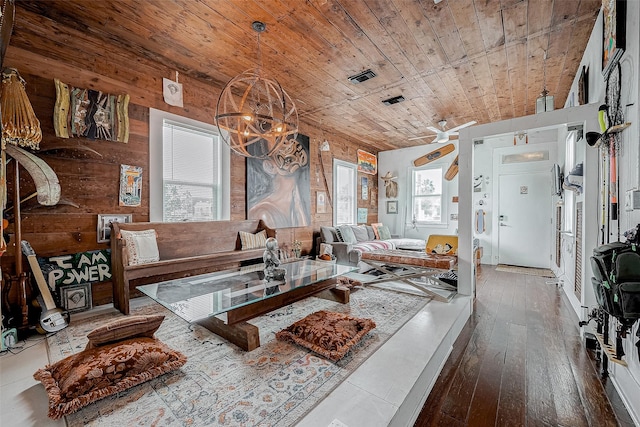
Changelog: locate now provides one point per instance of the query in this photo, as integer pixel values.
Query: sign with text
(73, 269)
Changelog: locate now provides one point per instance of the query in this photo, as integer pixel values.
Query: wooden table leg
(243, 334)
(339, 294)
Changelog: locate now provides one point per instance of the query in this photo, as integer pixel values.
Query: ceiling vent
(362, 77)
(393, 100)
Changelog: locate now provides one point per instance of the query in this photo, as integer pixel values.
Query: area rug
(274, 385)
(542, 272)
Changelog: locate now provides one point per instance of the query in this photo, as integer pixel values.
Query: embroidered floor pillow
(327, 333)
(93, 374)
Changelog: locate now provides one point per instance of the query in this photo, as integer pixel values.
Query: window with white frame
(189, 170)
(344, 190)
(428, 195)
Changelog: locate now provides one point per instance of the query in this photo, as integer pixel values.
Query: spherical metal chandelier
(254, 113)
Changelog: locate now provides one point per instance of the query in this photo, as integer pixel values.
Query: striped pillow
(253, 241)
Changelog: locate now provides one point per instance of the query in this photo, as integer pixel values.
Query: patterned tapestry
(90, 113)
(278, 187)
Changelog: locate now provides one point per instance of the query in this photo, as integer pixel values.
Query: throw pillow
(360, 233)
(375, 226)
(327, 333)
(82, 378)
(346, 234)
(142, 247)
(328, 234)
(124, 328)
(370, 232)
(253, 241)
(384, 233)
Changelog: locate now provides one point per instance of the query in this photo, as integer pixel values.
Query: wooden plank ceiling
(459, 60)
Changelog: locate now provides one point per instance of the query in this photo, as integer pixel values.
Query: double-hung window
(428, 196)
(344, 188)
(189, 169)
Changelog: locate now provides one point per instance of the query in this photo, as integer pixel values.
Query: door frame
(585, 115)
(499, 169)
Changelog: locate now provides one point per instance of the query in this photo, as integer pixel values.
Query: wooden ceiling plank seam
(473, 93)
(491, 21)
(441, 19)
(515, 19)
(396, 26)
(482, 74)
(466, 20)
(378, 36)
(539, 16)
(564, 11)
(420, 26)
(499, 67)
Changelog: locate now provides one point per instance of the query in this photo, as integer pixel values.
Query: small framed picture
(104, 225)
(392, 207)
(76, 297)
(321, 202)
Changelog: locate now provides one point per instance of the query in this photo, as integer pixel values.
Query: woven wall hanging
(90, 114)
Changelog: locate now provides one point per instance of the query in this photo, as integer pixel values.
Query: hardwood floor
(519, 361)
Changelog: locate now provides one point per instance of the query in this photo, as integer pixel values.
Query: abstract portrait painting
(278, 187)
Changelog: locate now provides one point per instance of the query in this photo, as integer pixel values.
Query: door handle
(502, 224)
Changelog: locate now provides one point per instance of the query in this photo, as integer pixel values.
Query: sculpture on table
(271, 261)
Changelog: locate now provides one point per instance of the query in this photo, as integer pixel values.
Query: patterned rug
(543, 272)
(274, 385)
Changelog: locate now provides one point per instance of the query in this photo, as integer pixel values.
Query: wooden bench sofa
(185, 249)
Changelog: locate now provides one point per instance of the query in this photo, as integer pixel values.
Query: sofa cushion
(328, 234)
(346, 234)
(253, 240)
(375, 226)
(142, 247)
(360, 232)
(383, 232)
(373, 245)
(370, 232)
(442, 244)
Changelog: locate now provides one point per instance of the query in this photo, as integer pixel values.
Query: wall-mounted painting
(278, 187)
(614, 29)
(130, 185)
(367, 162)
(583, 86)
(321, 202)
(104, 225)
(364, 193)
(362, 215)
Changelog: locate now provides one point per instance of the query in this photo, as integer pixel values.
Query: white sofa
(350, 253)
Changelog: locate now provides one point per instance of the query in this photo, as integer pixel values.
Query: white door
(525, 219)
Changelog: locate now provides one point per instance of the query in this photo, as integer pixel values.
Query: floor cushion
(327, 333)
(96, 373)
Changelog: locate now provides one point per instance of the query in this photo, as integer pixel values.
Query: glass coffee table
(223, 301)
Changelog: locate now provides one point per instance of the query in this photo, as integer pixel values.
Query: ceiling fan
(442, 135)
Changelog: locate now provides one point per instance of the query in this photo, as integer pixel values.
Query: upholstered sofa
(367, 238)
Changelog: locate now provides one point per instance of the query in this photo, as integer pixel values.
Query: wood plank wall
(92, 182)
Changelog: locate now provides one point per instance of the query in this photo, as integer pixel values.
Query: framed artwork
(362, 215)
(614, 33)
(583, 86)
(104, 225)
(279, 187)
(130, 185)
(364, 192)
(321, 202)
(367, 162)
(76, 297)
(392, 207)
